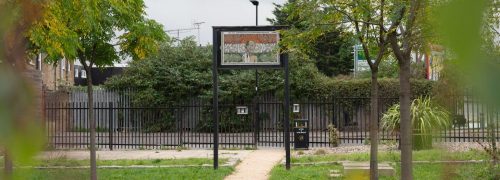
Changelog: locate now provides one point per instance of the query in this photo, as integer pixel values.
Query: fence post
(256, 122)
(110, 124)
(180, 126)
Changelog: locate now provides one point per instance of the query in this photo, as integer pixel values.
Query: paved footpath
(257, 165)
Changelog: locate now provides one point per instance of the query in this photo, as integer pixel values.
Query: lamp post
(256, 98)
(256, 4)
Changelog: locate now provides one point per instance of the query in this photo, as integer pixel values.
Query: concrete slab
(362, 169)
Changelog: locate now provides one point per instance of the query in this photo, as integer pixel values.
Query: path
(257, 165)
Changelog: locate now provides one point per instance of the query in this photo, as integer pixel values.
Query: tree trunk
(374, 126)
(7, 165)
(90, 94)
(406, 124)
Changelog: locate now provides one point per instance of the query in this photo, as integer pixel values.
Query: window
(63, 64)
(76, 73)
(84, 74)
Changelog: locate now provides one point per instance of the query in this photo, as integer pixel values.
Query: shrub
(333, 135)
(426, 117)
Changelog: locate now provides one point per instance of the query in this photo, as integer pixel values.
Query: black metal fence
(120, 125)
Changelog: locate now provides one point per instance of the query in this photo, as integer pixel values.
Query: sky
(181, 14)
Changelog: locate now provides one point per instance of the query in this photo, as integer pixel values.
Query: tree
(96, 33)
(402, 44)
(20, 134)
(331, 51)
(371, 22)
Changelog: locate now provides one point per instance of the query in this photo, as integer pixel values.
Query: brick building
(53, 76)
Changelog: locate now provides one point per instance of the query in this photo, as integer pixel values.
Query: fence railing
(121, 125)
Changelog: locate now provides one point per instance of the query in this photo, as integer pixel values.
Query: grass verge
(394, 156)
(132, 174)
(420, 170)
(125, 173)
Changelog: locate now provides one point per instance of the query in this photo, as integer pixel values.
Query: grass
(62, 161)
(421, 170)
(128, 173)
(424, 155)
(132, 174)
(304, 172)
(448, 171)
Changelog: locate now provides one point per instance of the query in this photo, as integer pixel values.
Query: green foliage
(20, 132)
(176, 73)
(21, 135)
(330, 49)
(87, 30)
(426, 118)
(229, 121)
(390, 69)
(333, 135)
(388, 88)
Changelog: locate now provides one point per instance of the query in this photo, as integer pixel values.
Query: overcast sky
(181, 14)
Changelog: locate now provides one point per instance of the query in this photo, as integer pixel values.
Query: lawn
(158, 162)
(132, 173)
(421, 170)
(125, 173)
(394, 156)
(62, 161)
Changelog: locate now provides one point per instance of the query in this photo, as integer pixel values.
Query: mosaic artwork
(250, 48)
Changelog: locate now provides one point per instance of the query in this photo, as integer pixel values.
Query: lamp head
(254, 2)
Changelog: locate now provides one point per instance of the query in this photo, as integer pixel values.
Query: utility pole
(197, 26)
(185, 30)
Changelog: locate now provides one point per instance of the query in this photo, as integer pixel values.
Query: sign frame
(218, 37)
(216, 65)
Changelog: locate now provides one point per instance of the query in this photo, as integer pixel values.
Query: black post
(257, 14)
(287, 113)
(180, 122)
(256, 122)
(256, 99)
(110, 111)
(215, 104)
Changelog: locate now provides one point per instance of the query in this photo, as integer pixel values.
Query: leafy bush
(333, 135)
(426, 117)
(229, 122)
(181, 72)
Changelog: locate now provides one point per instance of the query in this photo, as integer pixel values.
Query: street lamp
(256, 98)
(256, 4)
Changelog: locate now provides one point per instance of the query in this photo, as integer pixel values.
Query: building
(434, 61)
(99, 75)
(53, 76)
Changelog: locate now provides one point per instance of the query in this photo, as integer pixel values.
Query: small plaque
(296, 108)
(241, 110)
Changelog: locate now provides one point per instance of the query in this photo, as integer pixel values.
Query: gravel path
(257, 165)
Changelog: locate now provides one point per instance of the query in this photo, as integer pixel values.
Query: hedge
(333, 88)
